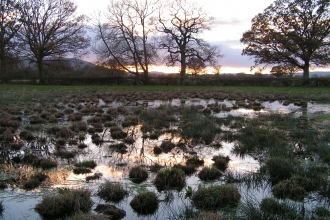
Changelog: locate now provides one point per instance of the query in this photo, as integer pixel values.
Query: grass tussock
(95, 176)
(209, 173)
(195, 161)
(214, 197)
(145, 203)
(88, 164)
(170, 178)
(187, 169)
(111, 192)
(166, 146)
(201, 129)
(65, 204)
(221, 162)
(110, 210)
(138, 174)
(81, 170)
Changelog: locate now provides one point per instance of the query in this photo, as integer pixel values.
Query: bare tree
(9, 25)
(217, 69)
(126, 36)
(196, 66)
(180, 24)
(295, 32)
(51, 29)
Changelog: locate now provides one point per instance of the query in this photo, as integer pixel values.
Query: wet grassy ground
(288, 152)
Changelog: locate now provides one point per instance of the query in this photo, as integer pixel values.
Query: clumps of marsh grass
(31, 184)
(209, 173)
(221, 162)
(155, 167)
(34, 119)
(145, 203)
(199, 128)
(44, 163)
(79, 126)
(3, 185)
(130, 121)
(82, 146)
(65, 154)
(187, 169)
(138, 174)
(156, 119)
(16, 146)
(65, 204)
(270, 208)
(195, 161)
(129, 140)
(214, 197)
(26, 135)
(81, 170)
(110, 210)
(119, 148)
(75, 117)
(322, 213)
(7, 135)
(273, 207)
(117, 133)
(96, 138)
(170, 178)
(111, 192)
(279, 169)
(64, 132)
(255, 139)
(95, 176)
(289, 189)
(167, 146)
(88, 164)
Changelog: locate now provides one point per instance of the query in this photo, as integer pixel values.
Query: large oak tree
(124, 36)
(51, 29)
(295, 32)
(181, 23)
(9, 25)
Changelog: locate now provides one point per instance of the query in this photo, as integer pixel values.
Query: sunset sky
(233, 18)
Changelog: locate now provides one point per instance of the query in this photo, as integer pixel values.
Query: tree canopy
(125, 36)
(51, 29)
(9, 25)
(295, 32)
(180, 27)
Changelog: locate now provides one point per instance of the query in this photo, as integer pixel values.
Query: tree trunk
(306, 71)
(2, 69)
(40, 71)
(183, 67)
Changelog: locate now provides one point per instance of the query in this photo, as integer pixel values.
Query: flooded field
(253, 147)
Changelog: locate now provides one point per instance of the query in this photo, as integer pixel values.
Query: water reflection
(115, 166)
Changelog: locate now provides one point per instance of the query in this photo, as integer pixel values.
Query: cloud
(232, 21)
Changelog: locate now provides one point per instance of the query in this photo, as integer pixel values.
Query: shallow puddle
(114, 166)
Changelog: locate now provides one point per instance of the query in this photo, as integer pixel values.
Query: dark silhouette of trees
(9, 25)
(180, 24)
(284, 70)
(51, 29)
(196, 66)
(125, 37)
(294, 32)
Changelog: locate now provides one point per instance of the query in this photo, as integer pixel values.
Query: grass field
(18, 94)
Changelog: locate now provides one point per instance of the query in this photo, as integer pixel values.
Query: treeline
(174, 80)
(133, 35)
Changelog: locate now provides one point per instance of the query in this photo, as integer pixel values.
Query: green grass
(18, 94)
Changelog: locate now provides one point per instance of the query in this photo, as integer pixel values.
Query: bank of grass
(19, 94)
